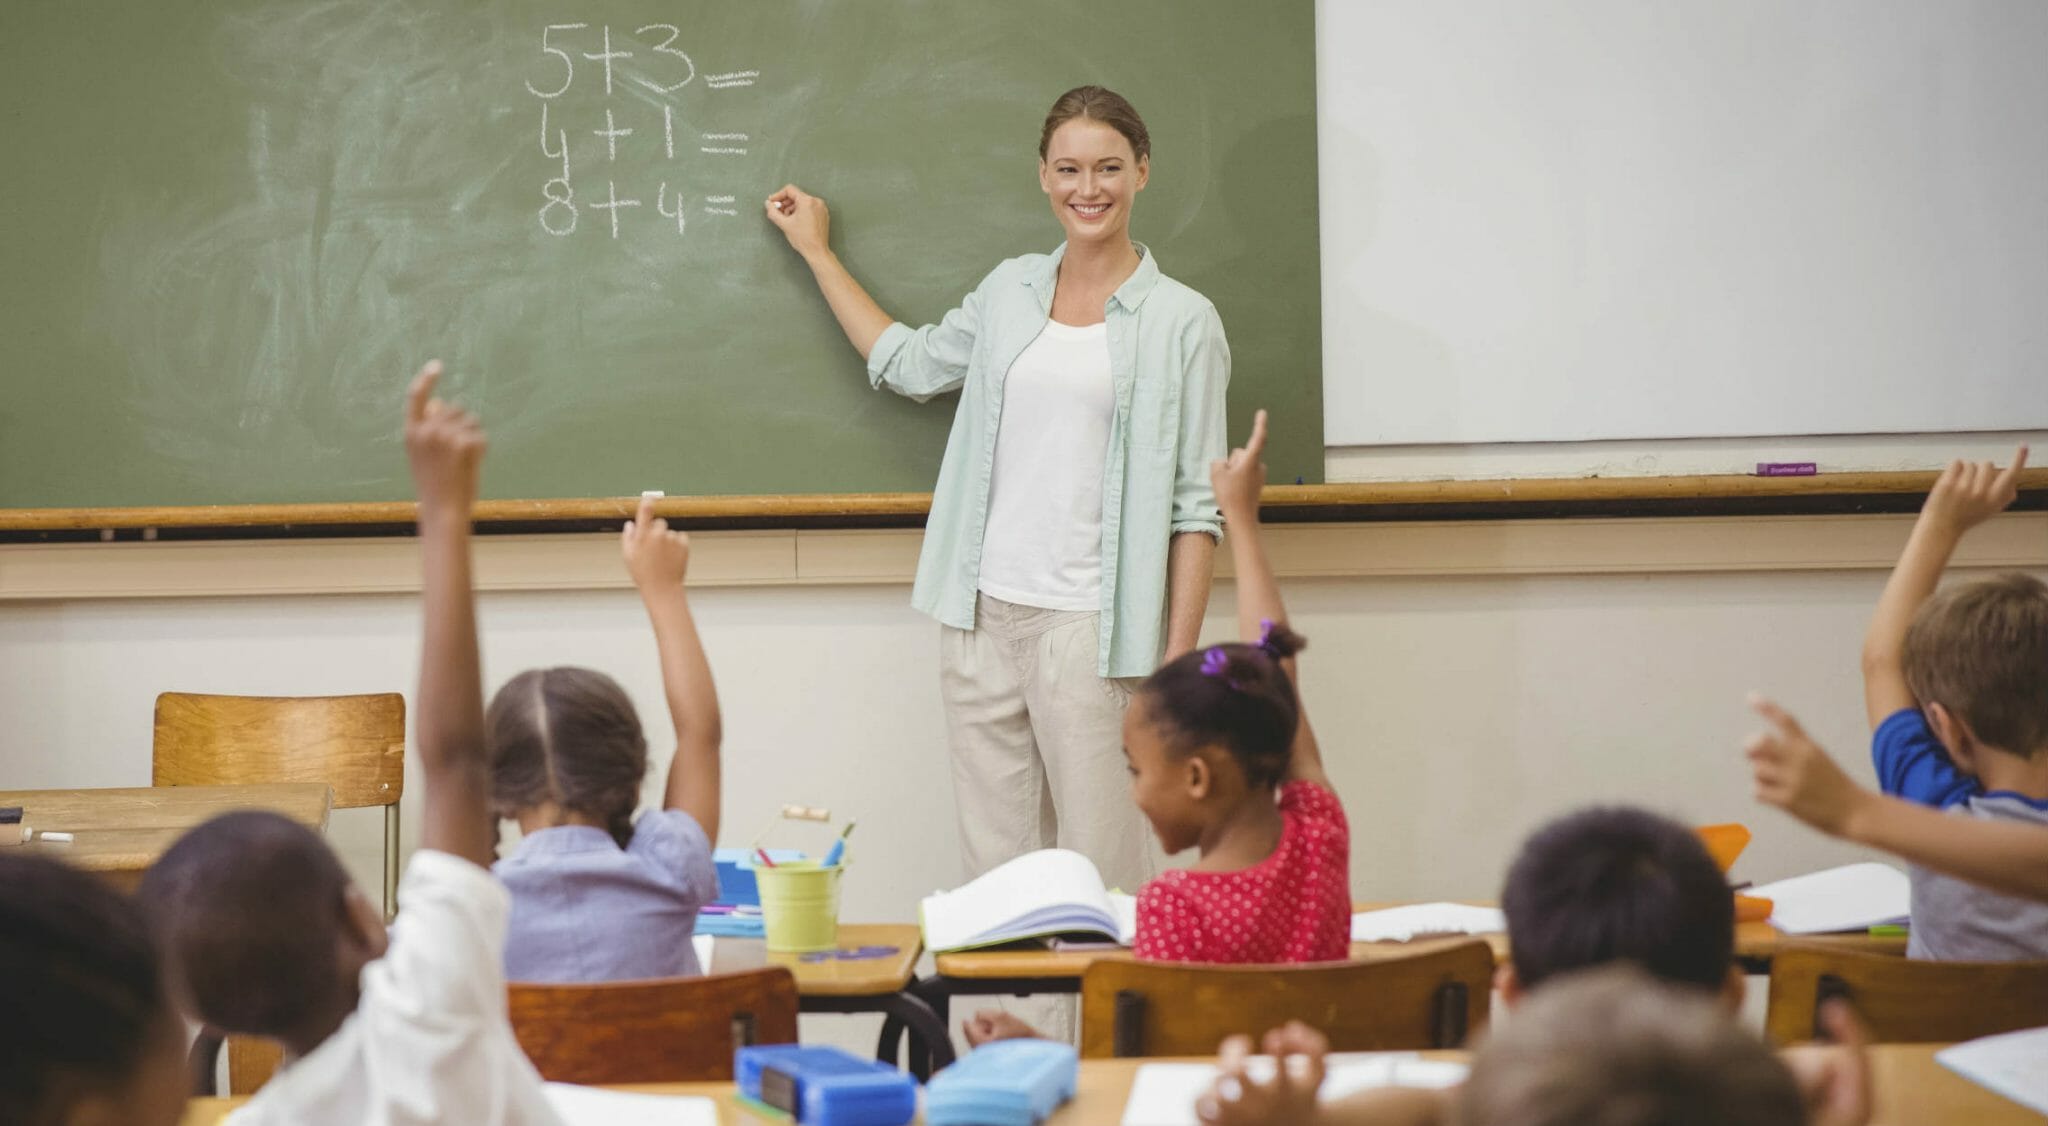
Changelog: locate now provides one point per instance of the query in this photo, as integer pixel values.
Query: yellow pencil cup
(800, 906)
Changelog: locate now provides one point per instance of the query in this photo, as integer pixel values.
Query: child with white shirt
(264, 935)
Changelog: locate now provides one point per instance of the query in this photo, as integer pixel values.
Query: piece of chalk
(1787, 469)
(55, 838)
(806, 813)
(652, 494)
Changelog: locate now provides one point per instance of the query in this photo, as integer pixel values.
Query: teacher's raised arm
(1072, 525)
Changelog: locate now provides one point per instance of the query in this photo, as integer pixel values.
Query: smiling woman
(1073, 526)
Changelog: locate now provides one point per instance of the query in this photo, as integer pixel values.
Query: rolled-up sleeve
(924, 362)
(1204, 435)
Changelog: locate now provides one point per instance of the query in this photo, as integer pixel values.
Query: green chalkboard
(236, 227)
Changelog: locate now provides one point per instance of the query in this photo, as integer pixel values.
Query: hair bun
(1279, 642)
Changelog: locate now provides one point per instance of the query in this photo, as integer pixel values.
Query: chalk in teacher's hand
(652, 494)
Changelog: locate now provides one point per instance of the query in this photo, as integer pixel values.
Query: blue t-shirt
(585, 910)
(1955, 920)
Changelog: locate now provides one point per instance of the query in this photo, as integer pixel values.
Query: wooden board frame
(1732, 495)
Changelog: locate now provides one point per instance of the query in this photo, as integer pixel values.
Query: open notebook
(1853, 897)
(2014, 1064)
(1164, 1094)
(1051, 892)
(593, 1106)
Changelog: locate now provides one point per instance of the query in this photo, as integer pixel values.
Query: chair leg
(390, 862)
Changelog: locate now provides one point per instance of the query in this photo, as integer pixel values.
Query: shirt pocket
(1155, 412)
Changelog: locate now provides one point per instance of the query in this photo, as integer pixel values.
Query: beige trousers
(1037, 742)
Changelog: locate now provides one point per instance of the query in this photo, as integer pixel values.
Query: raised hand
(1834, 1078)
(1971, 492)
(1796, 775)
(1238, 478)
(444, 444)
(804, 219)
(656, 557)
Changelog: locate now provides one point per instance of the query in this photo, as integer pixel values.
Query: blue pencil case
(825, 1086)
(1006, 1083)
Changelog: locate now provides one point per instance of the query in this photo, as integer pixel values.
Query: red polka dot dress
(1293, 906)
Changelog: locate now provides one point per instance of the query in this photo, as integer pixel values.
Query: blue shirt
(1955, 920)
(586, 910)
(1169, 369)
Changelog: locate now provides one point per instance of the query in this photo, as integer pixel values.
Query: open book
(1043, 894)
(1164, 1094)
(1853, 897)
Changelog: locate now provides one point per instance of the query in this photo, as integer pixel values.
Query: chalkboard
(236, 228)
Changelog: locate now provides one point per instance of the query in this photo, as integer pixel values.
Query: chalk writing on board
(648, 61)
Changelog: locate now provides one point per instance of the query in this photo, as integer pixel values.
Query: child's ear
(364, 921)
(1955, 735)
(1201, 776)
(1507, 985)
(1734, 990)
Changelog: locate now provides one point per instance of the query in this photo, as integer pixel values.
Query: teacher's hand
(805, 220)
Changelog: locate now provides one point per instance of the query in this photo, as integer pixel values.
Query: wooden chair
(1433, 999)
(668, 1030)
(355, 744)
(1905, 1001)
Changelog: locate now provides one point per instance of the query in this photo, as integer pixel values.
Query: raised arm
(1793, 773)
(445, 446)
(1966, 495)
(1238, 480)
(658, 559)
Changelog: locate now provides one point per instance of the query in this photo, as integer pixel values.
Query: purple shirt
(586, 910)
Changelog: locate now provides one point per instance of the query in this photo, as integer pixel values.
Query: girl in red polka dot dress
(1222, 759)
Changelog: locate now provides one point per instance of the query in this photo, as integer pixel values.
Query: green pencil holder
(800, 906)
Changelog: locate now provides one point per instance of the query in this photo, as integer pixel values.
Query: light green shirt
(1170, 367)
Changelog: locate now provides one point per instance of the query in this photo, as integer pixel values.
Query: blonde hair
(1981, 651)
(1616, 1047)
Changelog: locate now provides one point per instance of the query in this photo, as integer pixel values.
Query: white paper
(1125, 909)
(1164, 1094)
(1419, 920)
(595, 1106)
(2014, 1064)
(1850, 898)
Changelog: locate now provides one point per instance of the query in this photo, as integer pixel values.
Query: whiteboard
(1580, 220)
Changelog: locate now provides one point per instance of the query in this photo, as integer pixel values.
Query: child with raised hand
(1223, 760)
(1958, 704)
(596, 894)
(90, 1037)
(265, 935)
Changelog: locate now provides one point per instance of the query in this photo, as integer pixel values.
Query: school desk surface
(119, 833)
(1910, 1089)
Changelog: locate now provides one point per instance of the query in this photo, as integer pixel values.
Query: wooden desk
(121, 832)
(1911, 1090)
(865, 985)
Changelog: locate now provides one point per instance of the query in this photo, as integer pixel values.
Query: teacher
(1072, 529)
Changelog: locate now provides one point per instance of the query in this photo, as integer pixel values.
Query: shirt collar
(1130, 295)
(562, 839)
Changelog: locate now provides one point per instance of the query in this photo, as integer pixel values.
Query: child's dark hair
(1234, 696)
(1614, 884)
(568, 736)
(81, 978)
(248, 908)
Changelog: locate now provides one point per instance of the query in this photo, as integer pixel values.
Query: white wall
(1459, 707)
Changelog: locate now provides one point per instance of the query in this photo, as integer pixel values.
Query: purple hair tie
(1216, 663)
(1266, 628)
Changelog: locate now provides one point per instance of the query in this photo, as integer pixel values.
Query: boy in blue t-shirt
(1957, 689)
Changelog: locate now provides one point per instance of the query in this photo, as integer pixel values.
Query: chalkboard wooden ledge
(1534, 498)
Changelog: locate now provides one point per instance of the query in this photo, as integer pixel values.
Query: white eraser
(652, 494)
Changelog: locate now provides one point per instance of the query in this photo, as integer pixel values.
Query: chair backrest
(1902, 1000)
(668, 1030)
(355, 744)
(1433, 999)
